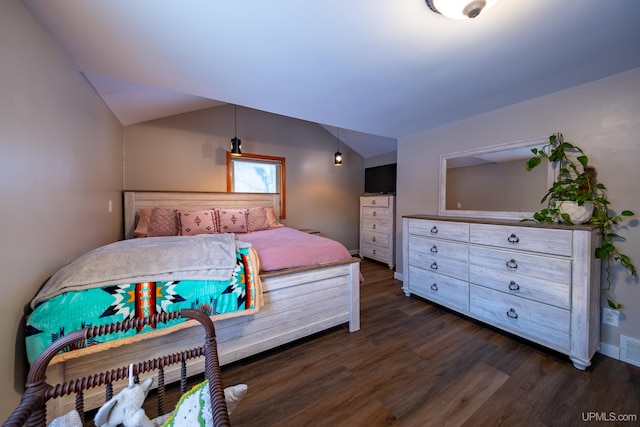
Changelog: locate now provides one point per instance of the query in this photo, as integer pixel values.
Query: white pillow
(70, 419)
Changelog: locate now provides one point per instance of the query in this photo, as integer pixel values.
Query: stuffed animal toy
(126, 407)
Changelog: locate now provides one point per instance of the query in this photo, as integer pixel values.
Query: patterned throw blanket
(237, 292)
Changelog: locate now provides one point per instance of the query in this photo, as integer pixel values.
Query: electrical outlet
(610, 316)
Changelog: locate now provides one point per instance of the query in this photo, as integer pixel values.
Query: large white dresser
(540, 282)
(377, 228)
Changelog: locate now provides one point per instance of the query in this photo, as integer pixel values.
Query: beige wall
(602, 117)
(187, 153)
(60, 164)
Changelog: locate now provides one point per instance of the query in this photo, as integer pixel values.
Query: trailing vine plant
(576, 181)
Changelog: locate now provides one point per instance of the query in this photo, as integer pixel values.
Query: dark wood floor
(416, 364)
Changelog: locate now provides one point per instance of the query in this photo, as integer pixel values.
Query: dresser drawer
(518, 264)
(375, 201)
(376, 213)
(377, 225)
(376, 252)
(444, 266)
(378, 239)
(438, 288)
(552, 293)
(439, 249)
(543, 240)
(530, 319)
(458, 231)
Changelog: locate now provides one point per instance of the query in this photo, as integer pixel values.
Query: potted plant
(576, 183)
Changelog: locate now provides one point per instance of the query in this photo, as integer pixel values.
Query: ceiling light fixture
(236, 149)
(337, 157)
(460, 9)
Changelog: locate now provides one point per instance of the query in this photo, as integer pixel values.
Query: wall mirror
(492, 182)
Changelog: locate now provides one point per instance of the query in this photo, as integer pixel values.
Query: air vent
(630, 350)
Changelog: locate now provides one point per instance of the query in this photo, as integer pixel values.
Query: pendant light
(337, 157)
(236, 149)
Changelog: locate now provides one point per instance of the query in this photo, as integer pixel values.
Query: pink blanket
(286, 247)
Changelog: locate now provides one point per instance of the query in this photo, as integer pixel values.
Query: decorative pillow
(194, 407)
(197, 222)
(257, 219)
(232, 220)
(163, 222)
(143, 223)
(272, 218)
(70, 419)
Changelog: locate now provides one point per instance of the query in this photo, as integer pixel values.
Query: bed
(295, 300)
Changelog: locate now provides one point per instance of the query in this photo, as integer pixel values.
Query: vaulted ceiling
(379, 69)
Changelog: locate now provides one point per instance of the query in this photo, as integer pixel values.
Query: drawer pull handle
(373, 239)
(373, 226)
(513, 239)
(513, 286)
(434, 287)
(374, 251)
(434, 266)
(434, 249)
(373, 202)
(512, 314)
(434, 230)
(374, 213)
(512, 264)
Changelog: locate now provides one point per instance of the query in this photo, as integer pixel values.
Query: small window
(255, 173)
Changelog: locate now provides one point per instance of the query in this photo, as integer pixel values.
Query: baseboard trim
(610, 350)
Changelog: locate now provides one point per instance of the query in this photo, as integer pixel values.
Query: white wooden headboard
(135, 200)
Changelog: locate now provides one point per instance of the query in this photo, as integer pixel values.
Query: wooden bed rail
(31, 411)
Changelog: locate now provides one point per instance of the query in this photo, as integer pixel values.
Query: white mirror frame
(530, 143)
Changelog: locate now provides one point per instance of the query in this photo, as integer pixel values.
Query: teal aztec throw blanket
(78, 309)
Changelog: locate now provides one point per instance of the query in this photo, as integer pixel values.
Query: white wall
(187, 153)
(60, 164)
(602, 117)
(381, 159)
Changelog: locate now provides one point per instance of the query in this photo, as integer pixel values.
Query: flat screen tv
(380, 179)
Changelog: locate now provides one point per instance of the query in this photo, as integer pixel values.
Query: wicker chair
(31, 411)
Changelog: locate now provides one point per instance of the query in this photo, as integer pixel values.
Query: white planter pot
(577, 214)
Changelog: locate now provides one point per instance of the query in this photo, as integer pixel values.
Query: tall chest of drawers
(377, 228)
(540, 282)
